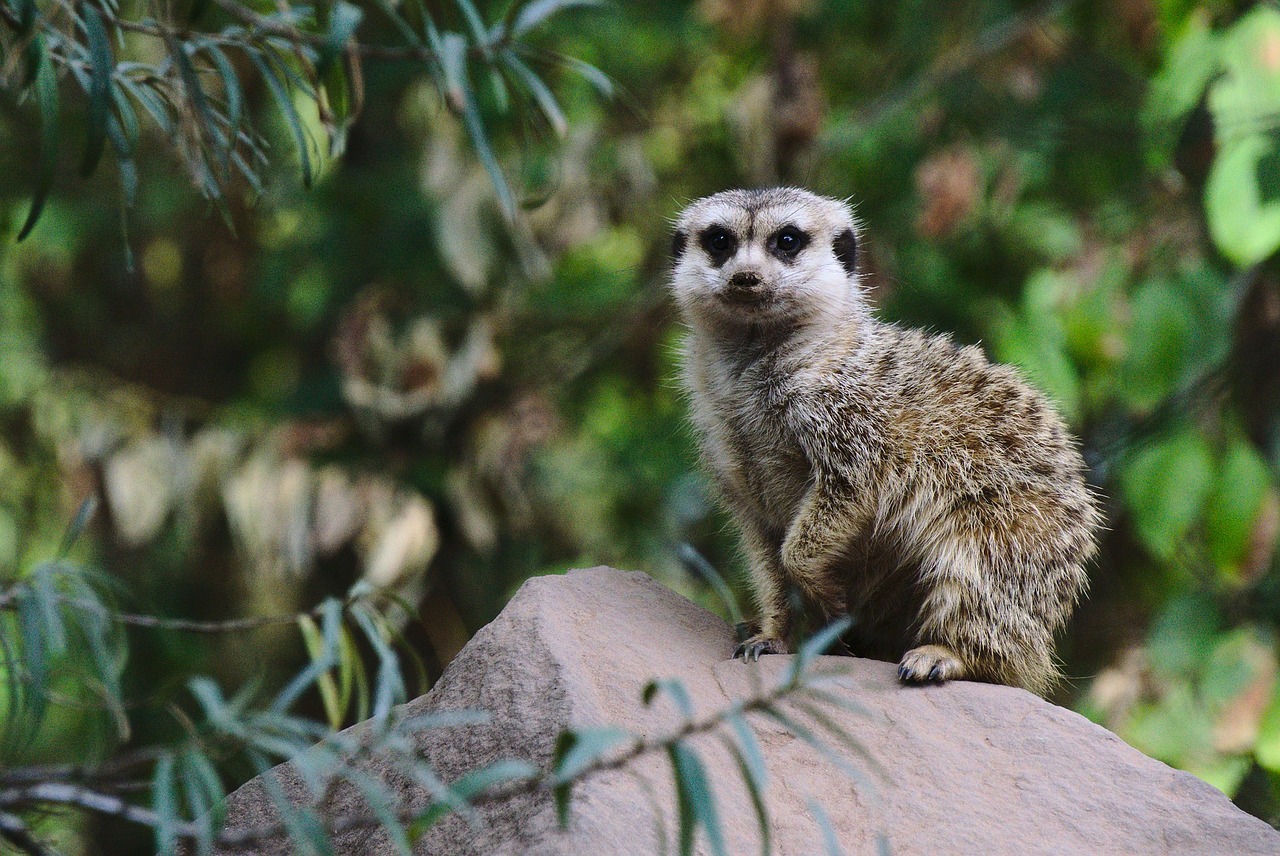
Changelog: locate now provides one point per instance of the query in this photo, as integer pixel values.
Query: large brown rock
(968, 768)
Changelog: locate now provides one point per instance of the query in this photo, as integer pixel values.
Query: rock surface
(968, 768)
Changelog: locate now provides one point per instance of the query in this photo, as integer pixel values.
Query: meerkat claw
(751, 650)
(930, 664)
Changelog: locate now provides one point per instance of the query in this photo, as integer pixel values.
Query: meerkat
(882, 472)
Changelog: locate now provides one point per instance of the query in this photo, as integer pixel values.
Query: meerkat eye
(788, 241)
(719, 242)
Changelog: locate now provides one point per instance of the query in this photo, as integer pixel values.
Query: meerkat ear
(846, 250)
(678, 242)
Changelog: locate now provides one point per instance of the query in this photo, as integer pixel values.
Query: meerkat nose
(745, 279)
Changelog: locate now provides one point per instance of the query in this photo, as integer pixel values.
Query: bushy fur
(881, 471)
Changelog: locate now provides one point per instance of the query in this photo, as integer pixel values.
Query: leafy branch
(194, 94)
(59, 611)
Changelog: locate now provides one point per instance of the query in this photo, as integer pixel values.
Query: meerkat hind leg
(930, 664)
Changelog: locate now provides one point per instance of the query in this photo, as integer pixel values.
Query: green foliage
(55, 606)
(195, 93)
(450, 363)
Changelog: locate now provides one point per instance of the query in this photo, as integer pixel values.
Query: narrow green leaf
(165, 804)
(754, 780)
(232, 92)
(322, 660)
(479, 33)
(696, 799)
(697, 564)
(686, 814)
(816, 744)
(341, 27)
(314, 642)
(46, 95)
(840, 733)
(453, 61)
(102, 66)
(84, 514)
(202, 797)
(672, 687)
(497, 773)
(545, 100)
(35, 655)
(578, 749)
(445, 719)
(830, 841)
(601, 82)
(538, 11)
(817, 644)
(280, 93)
(376, 796)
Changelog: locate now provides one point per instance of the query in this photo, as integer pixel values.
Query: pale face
(765, 257)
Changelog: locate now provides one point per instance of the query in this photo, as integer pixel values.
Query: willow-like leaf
(232, 92)
(377, 798)
(102, 66)
(76, 528)
(475, 23)
(697, 803)
(46, 96)
(542, 95)
(601, 82)
(313, 639)
(533, 14)
(817, 744)
(205, 797)
(672, 687)
(388, 689)
(839, 733)
(580, 748)
(754, 779)
(453, 61)
(498, 773)
(322, 660)
(340, 25)
(280, 92)
(830, 841)
(697, 564)
(815, 645)
(576, 750)
(164, 802)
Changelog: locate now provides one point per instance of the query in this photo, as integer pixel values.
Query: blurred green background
(381, 377)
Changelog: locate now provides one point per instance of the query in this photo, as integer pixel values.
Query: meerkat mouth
(745, 295)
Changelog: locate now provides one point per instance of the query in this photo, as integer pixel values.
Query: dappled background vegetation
(447, 364)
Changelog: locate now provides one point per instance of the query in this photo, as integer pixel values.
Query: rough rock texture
(969, 768)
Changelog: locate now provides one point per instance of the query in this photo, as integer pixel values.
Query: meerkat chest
(763, 452)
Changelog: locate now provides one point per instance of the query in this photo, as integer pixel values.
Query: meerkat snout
(745, 279)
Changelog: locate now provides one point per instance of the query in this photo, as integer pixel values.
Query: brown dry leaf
(1118, 688)
(338, 510)
(949, 183)
(1236, 729)
(142, 481)
(268, 502)
(400, 538)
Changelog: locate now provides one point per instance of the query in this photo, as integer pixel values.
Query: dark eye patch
(845, 247)
(787, 242)
(718, 243)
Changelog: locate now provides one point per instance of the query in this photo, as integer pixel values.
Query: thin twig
(248, 839)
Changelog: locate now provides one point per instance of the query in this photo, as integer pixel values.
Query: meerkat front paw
(752, 649)
(930, 664)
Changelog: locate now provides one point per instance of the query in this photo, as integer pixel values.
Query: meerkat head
(765, 257)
